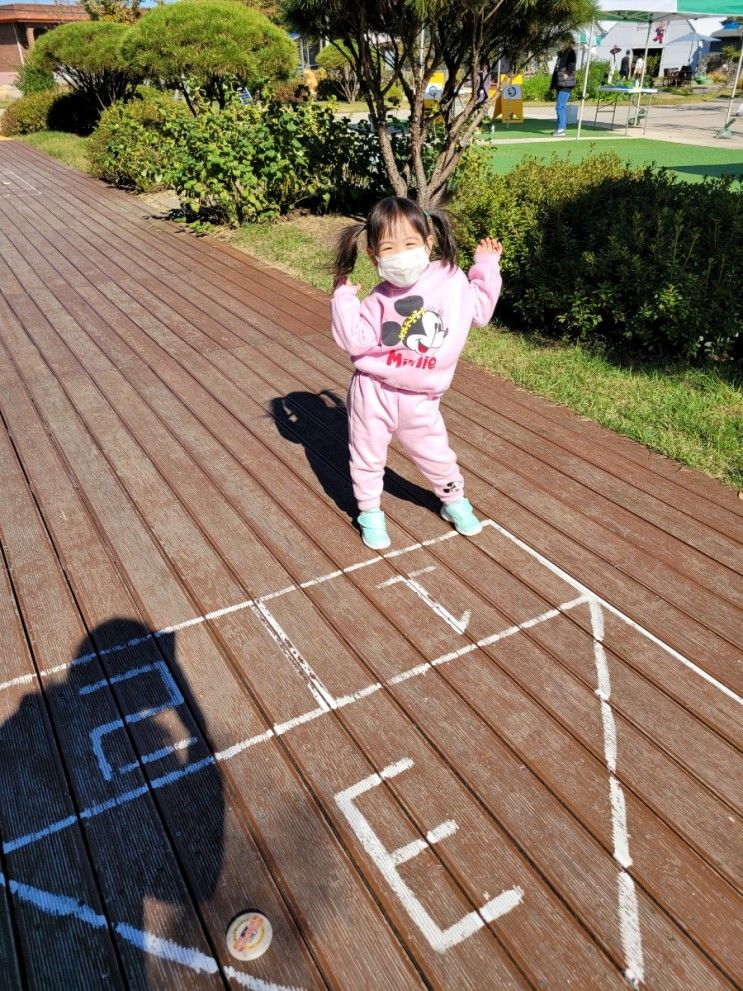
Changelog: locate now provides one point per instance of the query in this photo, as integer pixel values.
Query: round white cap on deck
(249, 935)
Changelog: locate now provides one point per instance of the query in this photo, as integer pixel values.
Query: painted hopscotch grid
(385, 861)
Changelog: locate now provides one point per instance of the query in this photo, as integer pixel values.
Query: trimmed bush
(255, 162)
(129, 148)
(291, 91)
(210, 47)
(32, 79)
(28, 114)
(50, 110)
(86, 55)
(336, 60)
(637, 258)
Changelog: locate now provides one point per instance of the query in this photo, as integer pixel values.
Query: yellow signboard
(433, 91)
(510, 104)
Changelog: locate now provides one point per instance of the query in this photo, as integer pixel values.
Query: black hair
(382, 218)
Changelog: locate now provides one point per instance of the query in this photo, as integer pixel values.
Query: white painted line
(158, 755)
(58, 905)
(628, 908)
(556, 570)
(414, 849)
(413, 574)
(174, 699)
(387, 862)
(619, 831)
(629, 921)
(454, 655)
(21, 181)
(27, 679)
(166, 949)
(357, 696)
(255, 983)
(279, 729)
(61, 906)
(317, 689)
(458, 625)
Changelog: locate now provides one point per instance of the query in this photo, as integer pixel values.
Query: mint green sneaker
(374, 529)
(460, 514)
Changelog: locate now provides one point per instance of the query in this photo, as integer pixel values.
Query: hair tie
(426, 214)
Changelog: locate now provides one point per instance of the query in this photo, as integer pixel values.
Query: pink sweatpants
(376, 412)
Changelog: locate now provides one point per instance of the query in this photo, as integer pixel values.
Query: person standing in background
(639, 69)
(624, 66)
(563, 82)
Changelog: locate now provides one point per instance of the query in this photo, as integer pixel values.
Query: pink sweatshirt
(412, 338)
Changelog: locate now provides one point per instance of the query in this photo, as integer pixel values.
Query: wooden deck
(508, 762)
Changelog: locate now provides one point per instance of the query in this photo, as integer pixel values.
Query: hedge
(637, 258)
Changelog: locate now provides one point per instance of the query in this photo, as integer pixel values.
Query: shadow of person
(319, 422)
(110, 737)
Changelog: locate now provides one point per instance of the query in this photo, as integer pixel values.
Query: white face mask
(405, 268)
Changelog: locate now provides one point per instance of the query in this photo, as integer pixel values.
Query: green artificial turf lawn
(690, 162)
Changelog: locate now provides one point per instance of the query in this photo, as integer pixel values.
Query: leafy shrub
(537, 87)
(128, 147)
(254, 162)
(32, 79)
(28, 114)
(636, 257)
(598, 73)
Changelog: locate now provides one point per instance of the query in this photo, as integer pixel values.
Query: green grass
(534, 128)
(690, 162)
(694, 415)
(68, 148)
(342, 107)
(303, 247)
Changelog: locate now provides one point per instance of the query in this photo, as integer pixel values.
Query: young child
(405, 339)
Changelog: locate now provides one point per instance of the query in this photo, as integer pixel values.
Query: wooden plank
(234, 481)
(308, 418)
(305, 624)
(57, 952)
(677, 494)
(137, 373)
(229, 594)
(216, 852)
(335, 946)
(50, 616)
(712, 502)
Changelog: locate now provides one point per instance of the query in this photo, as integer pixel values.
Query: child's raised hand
(490, 246)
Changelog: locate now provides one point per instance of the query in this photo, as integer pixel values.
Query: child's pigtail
(447, 244)
(346, 252)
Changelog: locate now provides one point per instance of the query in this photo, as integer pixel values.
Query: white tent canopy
(647, 11)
